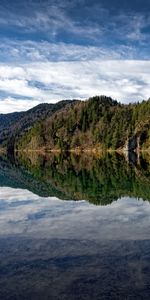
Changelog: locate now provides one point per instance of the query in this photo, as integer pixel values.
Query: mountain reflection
(99, 180)
(54, 249)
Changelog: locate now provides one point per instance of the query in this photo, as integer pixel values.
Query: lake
(74, 227)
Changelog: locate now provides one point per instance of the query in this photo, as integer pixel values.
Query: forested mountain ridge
(15, 125)
(97, 123)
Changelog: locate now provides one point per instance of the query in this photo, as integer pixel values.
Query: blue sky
(53, 50)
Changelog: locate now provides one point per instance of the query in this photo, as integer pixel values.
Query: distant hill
(8, 119)
(97, 123)
(15, 125)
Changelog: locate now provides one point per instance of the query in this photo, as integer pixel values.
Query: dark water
(74, 227)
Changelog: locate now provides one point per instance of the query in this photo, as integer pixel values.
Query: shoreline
(81, 150)
(78, 151)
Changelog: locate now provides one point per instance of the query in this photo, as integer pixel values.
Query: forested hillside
(97, 123)
(15, 125)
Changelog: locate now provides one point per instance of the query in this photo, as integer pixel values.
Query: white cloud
(50, 18)
(44, 70)
(31, 51)
(91, 21)
(10, 104)
(18, 87)
(53, 81)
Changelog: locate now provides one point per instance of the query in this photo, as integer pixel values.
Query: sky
(53, 50)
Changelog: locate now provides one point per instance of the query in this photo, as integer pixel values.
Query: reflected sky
(26, 214)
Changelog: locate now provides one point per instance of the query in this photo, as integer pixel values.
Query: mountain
(15, 125)
(97, 123)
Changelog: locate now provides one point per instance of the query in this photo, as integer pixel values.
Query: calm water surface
(74, 227)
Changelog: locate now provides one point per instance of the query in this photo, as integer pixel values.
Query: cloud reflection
(23, 213)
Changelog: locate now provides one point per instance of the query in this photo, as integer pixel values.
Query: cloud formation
(125, 80)
(53, 50)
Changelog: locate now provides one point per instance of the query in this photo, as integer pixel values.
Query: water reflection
(23, 213)
(54, 249)
(100, 180)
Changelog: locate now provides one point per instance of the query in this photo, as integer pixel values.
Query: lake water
(74, 227)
